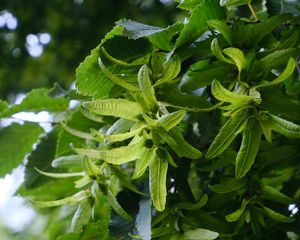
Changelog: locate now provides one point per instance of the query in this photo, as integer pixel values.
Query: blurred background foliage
(42, 42)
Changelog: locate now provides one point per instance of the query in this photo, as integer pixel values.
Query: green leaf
(234, 3)
(197, 23)
(3, 105)
(266, 125)
(17, 136)
(191, 206)
(143, 162)
(158, 177)
(291, 41)
(114, 60)
(188, 4)
(97, 230)
(135, 30)
(261, 30)
(177, 142)
(277, 216)
(289, 69)
(200, 234)
(52, 189)
(90, 168)
(69, 236)
(121, 136)
(273, 194)
(83, 182)
(275, 60)
(170, 120)
(91, 81)
(116, 156)
(172, 68)
(124, 179)
(38, 100)
(77, 133)
(277, 154)
(60, 175)
(79, 122)
(222, 27)
(120, 126)
(164, 39)
(186, 149)
(115, 107)
(89, 78)
(113, 202)
(134, 52)
(76, 198)
(201, 77)
(217, 52)
(146, 87)
(229, 185)
(224, 95)
(115, 79)
(227, 133)
(40, 158)
(280, 103)
(284, 127)
(233, 217)
(236, 55)
(81, 216)
(143, 219)
(67, 161)
(249, 148)
(188, 102)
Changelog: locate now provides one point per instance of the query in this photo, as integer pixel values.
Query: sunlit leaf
(285, 127)
(116, 156)
(115, 107)
(143, 162)
(169, 121)
(200, 234)
(224, 95)
(146, 87)
(237, 56)
(81, 216)
(158, 175)
(68, 200)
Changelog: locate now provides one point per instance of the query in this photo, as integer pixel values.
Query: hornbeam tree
(185, 132)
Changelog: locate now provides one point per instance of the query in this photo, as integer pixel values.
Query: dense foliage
(185, 132)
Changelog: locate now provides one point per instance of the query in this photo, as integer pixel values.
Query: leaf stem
(253, 12)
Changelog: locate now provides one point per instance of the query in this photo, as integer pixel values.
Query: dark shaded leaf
(197, 24)
(41, 158)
